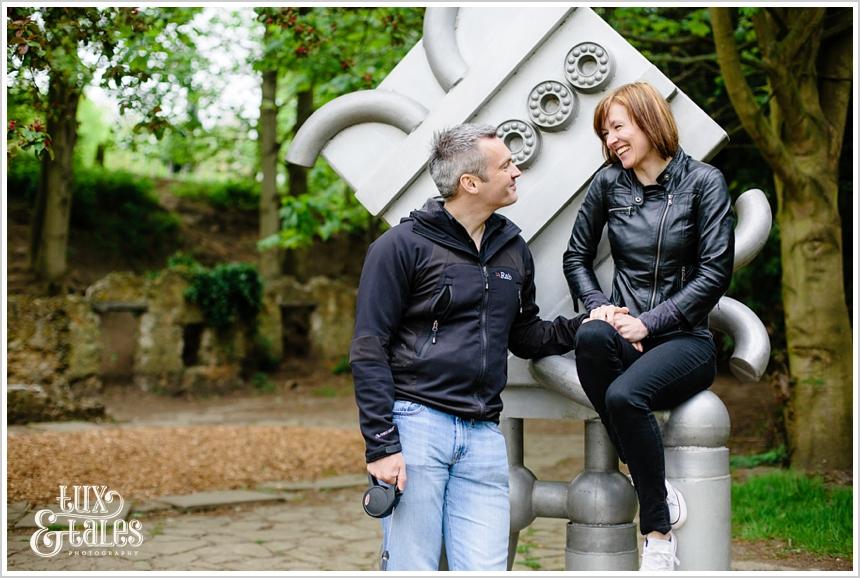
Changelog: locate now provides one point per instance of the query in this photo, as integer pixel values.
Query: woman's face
(625, 139)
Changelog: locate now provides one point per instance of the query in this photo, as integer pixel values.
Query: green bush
(122, 212)
(117, 209)
(22, 177)
(227, 294)
(800, 510)
(242, 194)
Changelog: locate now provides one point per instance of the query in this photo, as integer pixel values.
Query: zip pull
(520, 299)
(670, 198)
(683, 274)
(486, 279)
(435, 329)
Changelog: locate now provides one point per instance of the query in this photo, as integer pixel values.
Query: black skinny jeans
(625, 386)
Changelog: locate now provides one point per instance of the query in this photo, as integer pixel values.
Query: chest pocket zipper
(627, 210)
(439, 308)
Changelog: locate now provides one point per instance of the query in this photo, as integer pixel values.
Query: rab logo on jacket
(503, 275)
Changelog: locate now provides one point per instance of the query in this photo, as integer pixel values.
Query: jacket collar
(433, 222)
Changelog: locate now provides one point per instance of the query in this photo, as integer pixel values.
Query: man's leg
(412, 535)
(477, 506)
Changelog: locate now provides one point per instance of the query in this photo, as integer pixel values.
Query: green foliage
(801, 510)
(121, 212)
(342, 366)
(337, 50)
(227, 294)
(330, 209)
(116, 209)
(143, 51)
(22, 177)
(93, 130)
(775, 457)
(241, 194)
(262, 383)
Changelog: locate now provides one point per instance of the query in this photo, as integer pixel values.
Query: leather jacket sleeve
(533, 337)
(712, 273)
(578, 260)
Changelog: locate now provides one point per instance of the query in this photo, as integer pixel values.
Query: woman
(672, 241)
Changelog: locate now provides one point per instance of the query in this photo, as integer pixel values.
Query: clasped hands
(629, 327)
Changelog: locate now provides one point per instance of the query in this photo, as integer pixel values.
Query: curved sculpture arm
(752, 344)
(440, 45)
(754, 222)
(359, 107)
(558, 374)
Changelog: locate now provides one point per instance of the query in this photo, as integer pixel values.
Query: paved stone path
(310, 525)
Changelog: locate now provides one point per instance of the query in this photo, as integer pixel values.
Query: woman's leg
(665, 376)
(601, 356)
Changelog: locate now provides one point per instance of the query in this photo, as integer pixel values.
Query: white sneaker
(677, 506)
(659, 555)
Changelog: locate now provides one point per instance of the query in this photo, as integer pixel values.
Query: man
(442, 297)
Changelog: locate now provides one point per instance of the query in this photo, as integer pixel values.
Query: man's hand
(631, 329)
(607, 313)
(390, 469)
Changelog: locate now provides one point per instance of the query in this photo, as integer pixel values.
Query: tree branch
(835, 87)
(741, 94)
(780, 71)
(798, 36)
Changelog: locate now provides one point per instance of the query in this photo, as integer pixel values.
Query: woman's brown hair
(648, 109)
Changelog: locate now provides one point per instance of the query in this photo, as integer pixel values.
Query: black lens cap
(379, 501)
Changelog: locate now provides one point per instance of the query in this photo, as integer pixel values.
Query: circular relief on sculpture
(521, 139)
(589, 67)
(552, 105)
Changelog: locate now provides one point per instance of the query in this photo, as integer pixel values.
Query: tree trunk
(808, 64)
(298, 176)
(270, 259)
(819, 414)
(50, 231)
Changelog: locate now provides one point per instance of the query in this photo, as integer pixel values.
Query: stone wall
(59, 348)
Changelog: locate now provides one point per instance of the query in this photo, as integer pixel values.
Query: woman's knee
(621, 401)
(595, 335)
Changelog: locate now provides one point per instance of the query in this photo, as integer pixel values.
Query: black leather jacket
(672, 244)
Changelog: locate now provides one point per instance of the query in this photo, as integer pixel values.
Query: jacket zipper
(659, 247)
(483, 333)
(683, 275)
(430, 340)
(520, 300)
(627, 210)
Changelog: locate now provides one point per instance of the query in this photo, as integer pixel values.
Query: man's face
(500, 188)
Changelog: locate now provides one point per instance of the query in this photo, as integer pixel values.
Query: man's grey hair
(454, 152)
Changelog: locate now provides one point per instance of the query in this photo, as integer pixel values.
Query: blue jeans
(626, 386)
(456, 489)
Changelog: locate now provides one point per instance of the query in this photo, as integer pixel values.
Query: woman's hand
(607, 313)
(631, 329)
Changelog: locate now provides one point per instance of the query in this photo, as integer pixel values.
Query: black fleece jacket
(435, 319)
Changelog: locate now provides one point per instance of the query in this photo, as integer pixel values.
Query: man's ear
(469, 183)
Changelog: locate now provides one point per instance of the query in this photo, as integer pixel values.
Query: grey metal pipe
(359, 107)
(753, 228)
(697, 463)
(558, 374)
(752, 344)
(440, 46)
